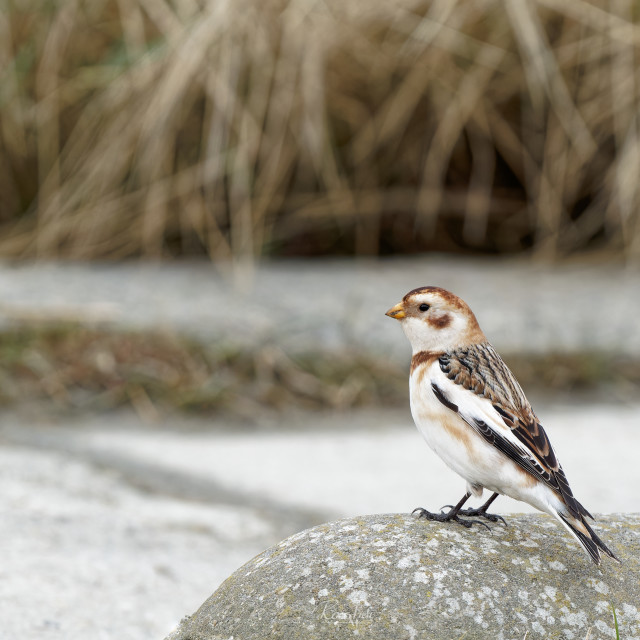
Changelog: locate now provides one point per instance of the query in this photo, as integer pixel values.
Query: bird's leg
(452, 514)
(481, 512)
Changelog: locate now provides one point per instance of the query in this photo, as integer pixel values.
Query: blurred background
(205, 209)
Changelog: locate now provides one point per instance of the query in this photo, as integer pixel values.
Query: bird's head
(435, 320)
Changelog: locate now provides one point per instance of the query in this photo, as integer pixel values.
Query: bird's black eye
(424, 307)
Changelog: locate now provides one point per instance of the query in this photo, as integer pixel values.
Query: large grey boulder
(395, 577)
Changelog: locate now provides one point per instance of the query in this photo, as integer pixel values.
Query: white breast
(442, 428)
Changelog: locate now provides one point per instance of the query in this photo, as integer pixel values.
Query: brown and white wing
(476, 383)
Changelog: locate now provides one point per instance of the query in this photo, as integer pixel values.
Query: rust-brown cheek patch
(439, 322)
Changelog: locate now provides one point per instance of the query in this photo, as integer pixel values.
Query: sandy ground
(113, 529)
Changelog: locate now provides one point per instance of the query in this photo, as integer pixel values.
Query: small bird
(473, 413)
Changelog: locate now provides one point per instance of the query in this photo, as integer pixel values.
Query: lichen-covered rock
(395, 577)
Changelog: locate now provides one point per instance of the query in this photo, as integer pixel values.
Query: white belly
(459, 456)
(442, 428)
(466, 452)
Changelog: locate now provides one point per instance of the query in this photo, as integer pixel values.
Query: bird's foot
(450, 515)
(480, 512)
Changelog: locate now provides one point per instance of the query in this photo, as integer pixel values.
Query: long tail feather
(587, 537)
(583, 511)
(599, 542)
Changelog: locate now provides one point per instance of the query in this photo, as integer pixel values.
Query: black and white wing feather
(498, 410)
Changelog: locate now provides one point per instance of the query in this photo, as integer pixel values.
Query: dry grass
(246, 127)
(75, 368)
(72, 368)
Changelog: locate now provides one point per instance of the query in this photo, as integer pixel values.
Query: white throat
(424, 337)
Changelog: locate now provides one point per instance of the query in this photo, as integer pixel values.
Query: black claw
(446, 517)
(492, 517)
(468, 523)
(497, 518)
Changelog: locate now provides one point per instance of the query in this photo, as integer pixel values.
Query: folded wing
(477, 384)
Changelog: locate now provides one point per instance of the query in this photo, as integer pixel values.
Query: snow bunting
(473, 413)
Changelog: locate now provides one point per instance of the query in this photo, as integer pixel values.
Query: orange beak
(396, 312)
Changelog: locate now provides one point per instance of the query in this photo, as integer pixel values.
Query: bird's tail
(579, 528)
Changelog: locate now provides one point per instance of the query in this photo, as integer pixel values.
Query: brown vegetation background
(245, 128)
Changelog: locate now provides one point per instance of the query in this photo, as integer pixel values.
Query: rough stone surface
(397, 577)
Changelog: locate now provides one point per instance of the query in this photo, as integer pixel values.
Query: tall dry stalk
(242, 127)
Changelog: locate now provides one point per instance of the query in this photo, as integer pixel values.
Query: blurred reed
(241, 128)
(72, 368)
